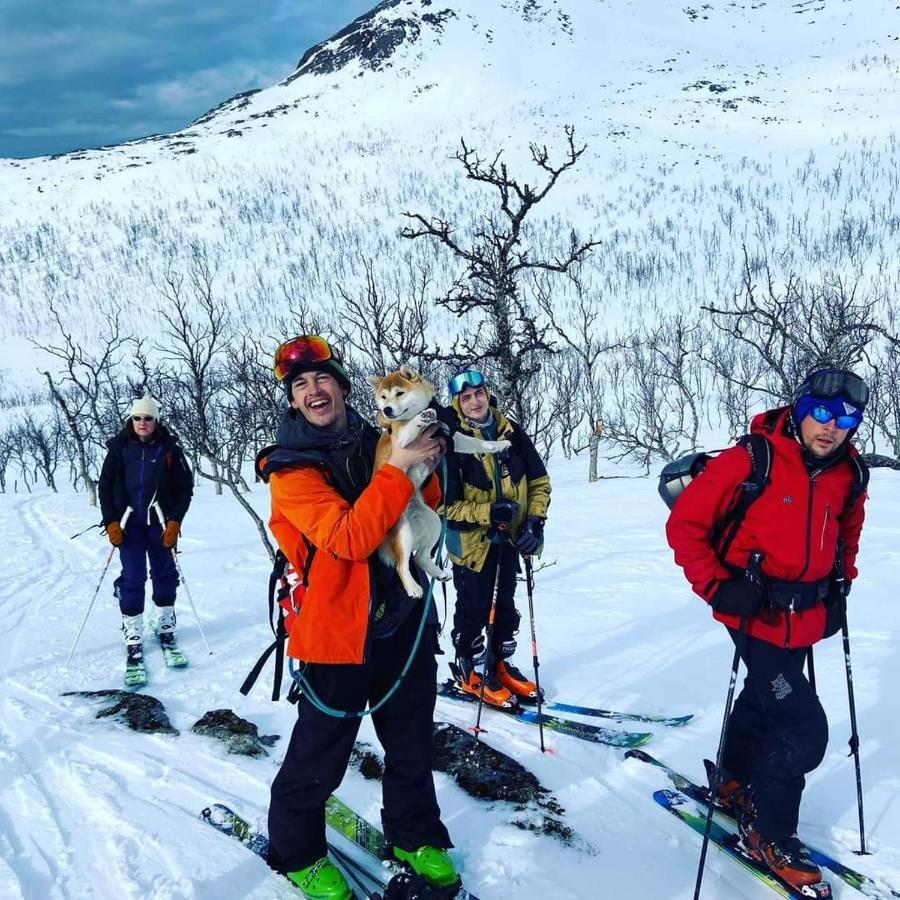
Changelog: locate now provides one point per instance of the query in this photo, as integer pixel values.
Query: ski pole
(159, 515)
(714, 786)
(529, 581)
(854, 734)
(122, 523)
(490, 635)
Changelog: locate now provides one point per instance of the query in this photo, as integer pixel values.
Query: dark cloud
(83, 73)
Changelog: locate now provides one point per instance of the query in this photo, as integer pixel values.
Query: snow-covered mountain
(707, 127)
(633, 73)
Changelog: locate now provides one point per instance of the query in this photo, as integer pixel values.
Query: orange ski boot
(469, 681)
(516, 683)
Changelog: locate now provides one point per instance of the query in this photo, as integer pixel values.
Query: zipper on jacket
(143, 452)
(824, 526)
(809, 517)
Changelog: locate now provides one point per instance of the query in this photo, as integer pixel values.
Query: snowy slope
(88, 809)
(706, 128)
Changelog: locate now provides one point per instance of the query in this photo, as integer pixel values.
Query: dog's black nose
(388, 412)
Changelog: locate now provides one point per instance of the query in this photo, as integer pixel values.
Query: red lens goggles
(307, 348)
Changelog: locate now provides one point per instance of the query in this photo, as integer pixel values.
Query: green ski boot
(322, 881)
(432, 863)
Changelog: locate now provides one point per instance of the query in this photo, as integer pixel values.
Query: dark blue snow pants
(143, 541)
(777, 733)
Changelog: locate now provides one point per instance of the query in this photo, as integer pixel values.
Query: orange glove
(170, 535)
(114, 533)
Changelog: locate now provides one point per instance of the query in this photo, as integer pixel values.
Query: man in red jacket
(776, 584)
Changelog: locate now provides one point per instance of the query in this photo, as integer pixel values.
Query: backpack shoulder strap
(759, 449)
(278, 629)
(860, 472)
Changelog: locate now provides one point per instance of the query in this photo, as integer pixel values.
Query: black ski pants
(777, 733)
(474, 592)
(320, 748)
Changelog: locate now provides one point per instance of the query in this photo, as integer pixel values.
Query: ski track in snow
(90, 809)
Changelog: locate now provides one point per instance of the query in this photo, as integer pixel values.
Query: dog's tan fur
(403, 399)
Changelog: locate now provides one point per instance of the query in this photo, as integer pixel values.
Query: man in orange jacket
(778, 581)
(356, 629)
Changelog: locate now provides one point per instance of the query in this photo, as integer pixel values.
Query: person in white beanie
(145, 467)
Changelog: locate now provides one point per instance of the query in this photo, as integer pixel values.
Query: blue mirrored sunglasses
(459, 382)
(824, 413)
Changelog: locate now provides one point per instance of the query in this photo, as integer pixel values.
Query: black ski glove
(531, 536)
(502, 514)
(738, 597)
(836, 606)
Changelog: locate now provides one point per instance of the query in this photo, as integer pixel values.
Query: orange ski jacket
(330, 540)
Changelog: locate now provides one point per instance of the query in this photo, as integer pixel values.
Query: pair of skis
(688, 802)
(136, 671)
(596, 734)
(356, 847)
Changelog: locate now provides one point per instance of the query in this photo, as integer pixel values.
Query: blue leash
(320, 704)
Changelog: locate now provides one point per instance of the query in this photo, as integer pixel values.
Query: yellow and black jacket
(472, 486)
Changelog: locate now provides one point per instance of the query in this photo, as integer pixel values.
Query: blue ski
(649, 719)
(683, 807)
(866, 885)
(594, 733)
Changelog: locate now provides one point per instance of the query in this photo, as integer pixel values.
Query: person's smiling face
(473, 403)
(320, 399)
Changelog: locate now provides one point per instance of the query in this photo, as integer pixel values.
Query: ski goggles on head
(459, 382)
(836, 383)
(823, 410)
(306, 349)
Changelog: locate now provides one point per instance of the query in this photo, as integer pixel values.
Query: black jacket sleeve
(182, 485)
(106, 487)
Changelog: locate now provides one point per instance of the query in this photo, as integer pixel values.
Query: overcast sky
(82, 73)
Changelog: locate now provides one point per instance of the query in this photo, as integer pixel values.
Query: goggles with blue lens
(459, 382)
(823, 411)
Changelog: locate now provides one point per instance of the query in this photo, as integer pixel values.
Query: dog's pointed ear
(374, 380)
(408, 373)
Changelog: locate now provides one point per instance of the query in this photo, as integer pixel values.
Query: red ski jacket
(796, 523)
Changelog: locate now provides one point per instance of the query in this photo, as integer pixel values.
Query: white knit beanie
(145, 406)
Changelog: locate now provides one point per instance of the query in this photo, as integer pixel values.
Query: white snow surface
(90, 809)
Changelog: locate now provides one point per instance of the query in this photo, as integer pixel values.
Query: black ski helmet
(830, 383)
(678, 474)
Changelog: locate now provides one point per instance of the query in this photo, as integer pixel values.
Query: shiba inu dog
(405, 407)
